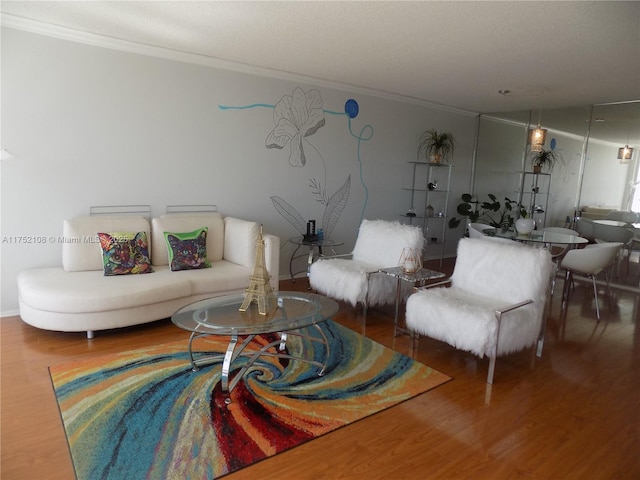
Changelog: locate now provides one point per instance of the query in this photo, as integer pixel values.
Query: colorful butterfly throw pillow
(125, 253)
(187, 251)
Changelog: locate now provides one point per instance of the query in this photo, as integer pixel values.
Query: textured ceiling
(457, 54)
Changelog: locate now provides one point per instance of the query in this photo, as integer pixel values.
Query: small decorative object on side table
(311, 235)
(318, 244)
(410, 260)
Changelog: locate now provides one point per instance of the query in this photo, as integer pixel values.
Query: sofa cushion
(240, 241)
(187, 223)
(188, 250)
(54, 290)
(81, 248)
(125, 253)
(222, 277)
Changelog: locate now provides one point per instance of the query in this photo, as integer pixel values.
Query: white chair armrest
(337, 255)
(509, 308)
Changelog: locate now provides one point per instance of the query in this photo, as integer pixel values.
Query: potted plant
(525, 225)
(544, 159)
(436, 147)
(492, 212)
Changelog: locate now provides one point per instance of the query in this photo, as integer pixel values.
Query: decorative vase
(525, 226)
(537, 169)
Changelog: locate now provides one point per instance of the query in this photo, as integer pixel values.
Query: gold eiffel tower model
(259, 289)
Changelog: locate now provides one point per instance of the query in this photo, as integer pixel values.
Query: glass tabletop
(220, 315)
(324, 242)
(419, 276)
(539, 237)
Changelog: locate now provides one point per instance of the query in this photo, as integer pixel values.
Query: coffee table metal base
(235, 350)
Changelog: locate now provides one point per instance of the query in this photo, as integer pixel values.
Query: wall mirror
(588, 172)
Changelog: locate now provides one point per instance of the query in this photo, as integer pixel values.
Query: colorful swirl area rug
(145, 414)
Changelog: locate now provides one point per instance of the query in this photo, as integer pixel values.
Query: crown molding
(103, 41)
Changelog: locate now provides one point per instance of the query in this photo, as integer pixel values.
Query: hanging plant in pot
(543, 160)
(436, 147)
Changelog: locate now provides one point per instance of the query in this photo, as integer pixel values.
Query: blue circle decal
(351, 108)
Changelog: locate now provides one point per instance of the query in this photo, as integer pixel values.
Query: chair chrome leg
(492, 369)
(609, 293)
(540, 346)
(595, 294)
(566, 291)
(366, 301)
(415, 337)
(554, 276)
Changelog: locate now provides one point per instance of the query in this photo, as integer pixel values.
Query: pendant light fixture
(625, 153)
(538, 135)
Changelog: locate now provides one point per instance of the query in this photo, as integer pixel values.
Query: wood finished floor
(574, 414)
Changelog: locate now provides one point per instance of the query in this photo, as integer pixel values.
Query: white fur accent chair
(495, 304)
(379, 245)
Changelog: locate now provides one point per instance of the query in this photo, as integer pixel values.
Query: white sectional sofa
(79, 297)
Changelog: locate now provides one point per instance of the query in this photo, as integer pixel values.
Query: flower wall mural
(297, 117)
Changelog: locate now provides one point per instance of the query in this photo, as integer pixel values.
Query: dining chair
(558, 251)
(584, 226)
(623, 216)
(589, 262)
(611, 233)
(495, 303)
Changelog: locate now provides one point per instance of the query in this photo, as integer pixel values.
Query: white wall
(88, 126)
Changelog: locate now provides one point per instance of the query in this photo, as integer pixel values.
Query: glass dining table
(545, 238)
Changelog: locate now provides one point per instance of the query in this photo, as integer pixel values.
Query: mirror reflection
(588, 179)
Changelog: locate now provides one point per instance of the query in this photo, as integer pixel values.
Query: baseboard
(10, 313)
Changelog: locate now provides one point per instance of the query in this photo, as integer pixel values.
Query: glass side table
(416, 279)
(315, 251)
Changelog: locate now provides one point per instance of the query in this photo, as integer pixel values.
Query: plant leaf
(290, 214)
(334, 208)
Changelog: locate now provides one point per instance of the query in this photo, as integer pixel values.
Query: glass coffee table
(220, 316)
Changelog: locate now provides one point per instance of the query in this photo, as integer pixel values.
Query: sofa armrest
(272, 258)
(240, 237)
